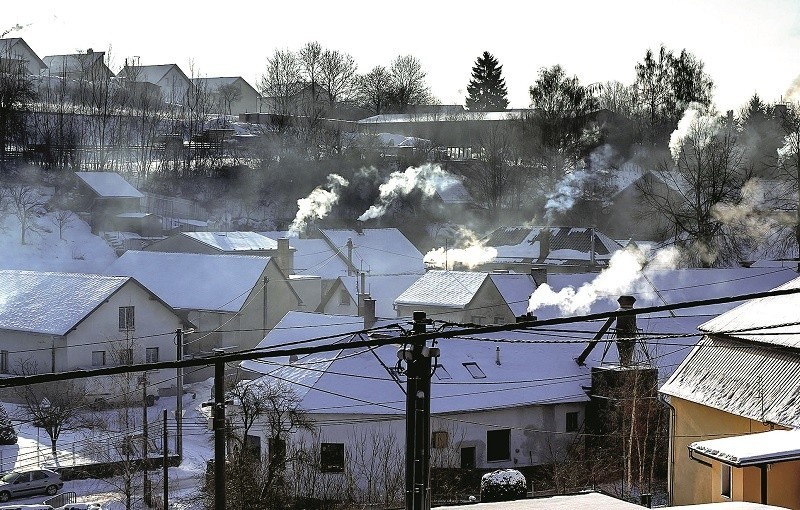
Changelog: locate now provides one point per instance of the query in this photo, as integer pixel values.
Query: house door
(468, 457)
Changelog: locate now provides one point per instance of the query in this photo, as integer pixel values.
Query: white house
(56, 322)
(233, 300)
(504, 400)
(230, 95)
(468, 296)
(17, 50)
(171, 80)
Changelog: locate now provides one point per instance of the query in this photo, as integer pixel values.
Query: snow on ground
(33, 450)
(79, 252)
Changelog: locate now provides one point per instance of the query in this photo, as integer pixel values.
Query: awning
(751, 449)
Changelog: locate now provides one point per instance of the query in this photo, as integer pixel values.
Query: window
(126, 356)
(499, 320)
(474, 370)
(344, 297)
(468, 457)
(572, 421)
(126, 321)
(3, 362)
(725, 480)
(439, 439)
(477, 319)
(39, 475)
(151, 355)
(252, 445)
(331, 457)
(98, 358)
(441, 373)
(277, 451)
(498, 445)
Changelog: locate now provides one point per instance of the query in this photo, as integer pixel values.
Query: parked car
(15, 484)
(26, 507)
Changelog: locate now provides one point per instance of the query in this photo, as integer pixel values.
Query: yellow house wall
(693, 482)
(696, 483)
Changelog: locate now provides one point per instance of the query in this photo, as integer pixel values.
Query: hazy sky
(747, 46)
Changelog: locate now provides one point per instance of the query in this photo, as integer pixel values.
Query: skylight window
(474, 370)
(441, 372)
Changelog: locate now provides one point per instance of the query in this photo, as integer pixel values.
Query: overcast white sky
(747, 46)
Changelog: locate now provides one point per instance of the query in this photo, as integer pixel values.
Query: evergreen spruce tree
(7, 433)
(487, 88)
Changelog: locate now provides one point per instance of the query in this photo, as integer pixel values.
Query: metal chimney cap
(626, 302)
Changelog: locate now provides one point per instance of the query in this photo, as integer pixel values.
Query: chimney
(497, 355)
(544, 243)
(592, 247)
(349, 256)
(626, 331)
(362, 292)
(539, 274)
(284, 258)
(369, 312)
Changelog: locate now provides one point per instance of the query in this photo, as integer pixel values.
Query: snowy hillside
(79, 252)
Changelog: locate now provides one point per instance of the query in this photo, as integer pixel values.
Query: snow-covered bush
(7, 433)
(503, 485)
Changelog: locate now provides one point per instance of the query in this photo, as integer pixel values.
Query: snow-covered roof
(523, 244)
(452, 191)
(380, 251)
(151, 73)
(451, 289)
(214, 83)
(740, 378)
(51, 303)
(515, 288)
(233, 241)
(444, 117)
(770, 320)
(75, 63)
(315, 256)
(528, 372)
(190, 281)
(384, 289)
(752, 449)
(109, 184)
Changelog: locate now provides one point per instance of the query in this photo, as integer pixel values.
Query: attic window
(474, 370)
(344, 297)
(441, 372)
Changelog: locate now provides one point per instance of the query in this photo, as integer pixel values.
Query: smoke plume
(755, 215)
(697, 124)
(622, 276)
(793, 92)
(468, 250)
(426, 178)
(567, 191)
(317, 204)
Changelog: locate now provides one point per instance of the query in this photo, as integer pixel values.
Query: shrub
(503, 485)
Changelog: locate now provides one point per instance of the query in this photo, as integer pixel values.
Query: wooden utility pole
(179, 398)
(145, 459)
(219, 434)
(165, 463)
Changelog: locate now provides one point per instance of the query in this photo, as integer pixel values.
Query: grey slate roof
(452, 289)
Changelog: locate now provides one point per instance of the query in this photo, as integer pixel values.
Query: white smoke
(696, 124)
(755, 215)
(622, 276)
(426, 178)
(793, 92)
(567, 191)
(467, 250)
(317, 204)
(791, 146)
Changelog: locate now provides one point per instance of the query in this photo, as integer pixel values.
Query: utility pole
(179, 399)
(145, 459)
(165, 463)
(219, 434)
(418, 412)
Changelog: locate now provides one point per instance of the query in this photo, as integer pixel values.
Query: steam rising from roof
(426, 178)
(567, 191)
(469, 256)
(317, 204)
(622, 276)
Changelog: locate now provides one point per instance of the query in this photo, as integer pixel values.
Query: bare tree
(229, 94)
(337, 76)
(374, 89)
(17, 92)
(26, 204)
(407, 83)
(62, 219)
(281, 82)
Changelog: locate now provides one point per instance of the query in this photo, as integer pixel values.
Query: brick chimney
(349, 256)
(626, 331)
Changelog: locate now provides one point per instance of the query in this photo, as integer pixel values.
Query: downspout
(670, 448)
(266, 281)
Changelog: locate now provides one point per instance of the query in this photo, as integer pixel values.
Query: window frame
(127, 318)
(493, 451)
(331, 457)
(4, 366)
(148, 351)
(572, 421)
(725, 480)
(104, 360)
(440, 439)
(344, 297)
